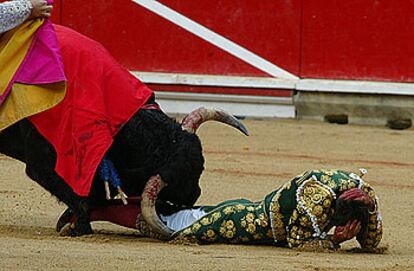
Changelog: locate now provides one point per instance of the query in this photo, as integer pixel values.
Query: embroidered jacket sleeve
(371, 236)
(13, 13)
(309, 221)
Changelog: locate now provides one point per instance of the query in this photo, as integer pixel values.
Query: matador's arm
(371, 235)
(13, 13)
(311, 217)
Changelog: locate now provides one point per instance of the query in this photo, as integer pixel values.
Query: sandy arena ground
(236, 166)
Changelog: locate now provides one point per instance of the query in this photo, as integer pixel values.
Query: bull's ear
(193, 120)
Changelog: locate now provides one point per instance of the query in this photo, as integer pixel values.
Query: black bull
(149, 144)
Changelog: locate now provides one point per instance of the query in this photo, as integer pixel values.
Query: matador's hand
(347, 232)
(40, 9)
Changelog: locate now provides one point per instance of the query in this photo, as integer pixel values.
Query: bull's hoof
(82, 229)
(66, 230)
(67, 217)
(68, 225)
(73, 230)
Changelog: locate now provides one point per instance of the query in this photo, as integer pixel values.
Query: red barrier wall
(358, 39)
(144, 41)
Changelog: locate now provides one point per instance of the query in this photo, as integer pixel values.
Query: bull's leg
(49, 180)
(11, 142)
(40, 158)
(97, 200)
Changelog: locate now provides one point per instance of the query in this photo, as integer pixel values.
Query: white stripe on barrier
(215, 39)
(313, 85)
(173, 103)
(223, 98)
(214, 80)
(355, 87)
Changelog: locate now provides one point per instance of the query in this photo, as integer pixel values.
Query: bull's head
(183, 169)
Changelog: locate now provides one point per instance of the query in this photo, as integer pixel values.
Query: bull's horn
(193, 120)
(149, 197)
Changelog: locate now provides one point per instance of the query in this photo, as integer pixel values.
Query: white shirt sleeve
(14, 13)
(182, 219)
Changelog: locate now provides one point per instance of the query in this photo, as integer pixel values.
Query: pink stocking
(123, 215)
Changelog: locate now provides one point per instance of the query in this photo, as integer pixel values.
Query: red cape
(101, 97)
